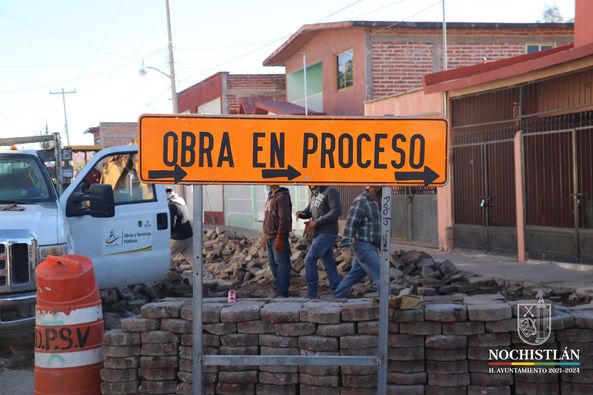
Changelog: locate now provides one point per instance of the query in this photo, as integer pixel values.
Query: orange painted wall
(324, 48)
(410, 104)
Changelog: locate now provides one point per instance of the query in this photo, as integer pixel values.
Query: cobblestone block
(128, 387)
(136, 324)
(281, 312)
(318, 343)
(448, 380)
(358, 341)
(445, 312)
(405, 354)
(420, 328)
(438, 390)
(489, 312)
(121, 351)
(491, 380)
(169, 309)
(240, 340)
(343, 329)
(223, 328)
(157, 374)
(249, 350)
(451, 354)
(176, 325)
(368, 327)
(405, 366)
(445, 341)
(480, 390)
(159, 337)
(269, 340)
(406, 378)
(314, 390)
(258, 327)
(240, 312)
(278, 378)
(502, 326)
(159, 349)
(158, 362)
(121, 363)
(117, 337)
(118, 375)
(463, 328)
(583, 318)
(158, 387)
(323, 381)
(398, 389)
(321, 313)
(447, 367)
(407, 315)
(270, 389)
(234, 377)
(403, 341)
(295, 329)
(368, 381)
(489, 340)
(234, 389)
(576, 335)
(360, 312)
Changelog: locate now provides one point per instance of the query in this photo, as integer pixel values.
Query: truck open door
(132, 246)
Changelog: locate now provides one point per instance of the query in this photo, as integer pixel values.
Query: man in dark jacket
(277, 226)
(324, 209)
(181, 230)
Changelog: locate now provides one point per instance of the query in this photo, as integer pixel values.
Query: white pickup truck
(106, 214)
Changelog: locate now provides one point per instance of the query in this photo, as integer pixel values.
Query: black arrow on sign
(177, 174)
(290, 173)
(427, 175)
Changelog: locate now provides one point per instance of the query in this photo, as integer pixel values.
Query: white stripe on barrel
(75, 317)
(68, 359)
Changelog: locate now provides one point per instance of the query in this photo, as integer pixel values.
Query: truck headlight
(52, 249)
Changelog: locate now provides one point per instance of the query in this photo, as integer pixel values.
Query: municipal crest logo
(534, 322)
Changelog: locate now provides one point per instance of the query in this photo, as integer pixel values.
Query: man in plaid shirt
(362, 235)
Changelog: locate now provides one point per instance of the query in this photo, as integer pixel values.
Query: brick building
(114, 133)
(350, 63)
(221, 92)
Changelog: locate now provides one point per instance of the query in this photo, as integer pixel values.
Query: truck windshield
(22, 181)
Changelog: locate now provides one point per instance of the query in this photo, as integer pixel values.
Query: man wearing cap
(181, 230)
(362, 236)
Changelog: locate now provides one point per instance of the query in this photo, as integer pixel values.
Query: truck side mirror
(98, 201)
(101, 201)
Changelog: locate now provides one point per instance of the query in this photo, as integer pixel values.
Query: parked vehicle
(106, 214)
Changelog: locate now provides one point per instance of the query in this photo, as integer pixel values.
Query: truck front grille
(17, 264)
(19, 259)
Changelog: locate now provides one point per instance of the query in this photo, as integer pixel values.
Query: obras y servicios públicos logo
(534, 327)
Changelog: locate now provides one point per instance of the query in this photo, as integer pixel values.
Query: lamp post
(171, 74)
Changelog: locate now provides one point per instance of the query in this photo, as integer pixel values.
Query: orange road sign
(312, 150)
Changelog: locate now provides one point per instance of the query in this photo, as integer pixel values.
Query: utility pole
(171, 63)
(64, 93)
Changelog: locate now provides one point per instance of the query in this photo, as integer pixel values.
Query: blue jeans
(279, 262)
(321, 248)
(366, 262)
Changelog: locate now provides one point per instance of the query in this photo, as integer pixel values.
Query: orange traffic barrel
(68, 327)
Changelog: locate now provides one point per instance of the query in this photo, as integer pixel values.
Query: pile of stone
(439, 348)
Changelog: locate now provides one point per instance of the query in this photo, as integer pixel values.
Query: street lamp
(171, 74)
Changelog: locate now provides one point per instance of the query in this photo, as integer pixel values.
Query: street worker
(323, 210)
(277, 226)
(362, 236)
(181, 230)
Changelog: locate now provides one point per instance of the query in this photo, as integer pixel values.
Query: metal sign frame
(199, 360)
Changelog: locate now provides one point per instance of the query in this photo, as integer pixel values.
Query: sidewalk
(549, 274)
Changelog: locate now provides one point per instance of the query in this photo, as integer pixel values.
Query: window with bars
(345, 69)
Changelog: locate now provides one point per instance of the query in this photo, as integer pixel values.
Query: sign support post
(197, 269)
(384, 291)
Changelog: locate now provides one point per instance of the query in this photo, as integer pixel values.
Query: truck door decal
(126, 236)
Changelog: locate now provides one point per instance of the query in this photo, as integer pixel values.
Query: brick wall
(400, 58)
(243, 85)
(437, 349)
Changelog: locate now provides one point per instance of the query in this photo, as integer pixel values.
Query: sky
(96, 49)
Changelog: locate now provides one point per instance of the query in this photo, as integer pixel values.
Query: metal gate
(559, 194)
(415, 215)
(484, 196)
